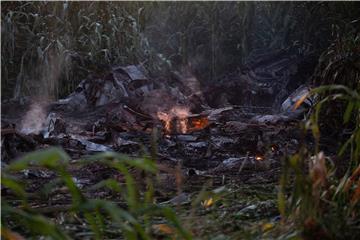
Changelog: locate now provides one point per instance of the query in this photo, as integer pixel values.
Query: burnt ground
(242, 156)
(237, 149)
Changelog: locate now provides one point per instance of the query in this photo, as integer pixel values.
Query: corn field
(141, 157)
(48, 47)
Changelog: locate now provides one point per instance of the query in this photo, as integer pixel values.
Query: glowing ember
(274, 148)
(199, 123)
(259, 158)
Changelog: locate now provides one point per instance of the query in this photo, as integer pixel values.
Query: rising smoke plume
(49, 71)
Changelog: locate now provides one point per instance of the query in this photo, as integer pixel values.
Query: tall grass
(70, 39)
(320, 203)
(325, 202)
(132, 221)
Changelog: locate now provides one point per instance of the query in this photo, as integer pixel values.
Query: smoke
(34, 120)
(189, 80)
(159, 100)
(49, 72)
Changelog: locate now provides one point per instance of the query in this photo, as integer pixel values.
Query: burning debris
(175, 120)
(201, 138)
(180, 120)
(118, 112)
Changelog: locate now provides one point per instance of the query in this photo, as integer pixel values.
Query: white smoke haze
(34, 120)
(189, 80)
(158, 100)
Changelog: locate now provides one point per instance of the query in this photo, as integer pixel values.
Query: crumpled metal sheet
(134, 72)
(129, 81)
(289, 104)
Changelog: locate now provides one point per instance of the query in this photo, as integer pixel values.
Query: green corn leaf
(348, 111)
(14, 185)
(36, 223)
(52, 158)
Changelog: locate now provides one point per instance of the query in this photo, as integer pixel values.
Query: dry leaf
(356, 196)
(318, 175)
(352, 178)
(10, 235)
(208, 202)
(163, 228)
(318, 170)
(267, 227)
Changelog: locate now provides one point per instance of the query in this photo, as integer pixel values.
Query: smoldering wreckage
(235, 130)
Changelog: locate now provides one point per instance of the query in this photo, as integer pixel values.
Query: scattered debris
(224, 132)
(183, 198)
(298, 102)
(265, 208)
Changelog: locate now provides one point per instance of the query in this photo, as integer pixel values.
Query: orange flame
(180, 120)
(179, 113)
(166, 119)
(199, 123)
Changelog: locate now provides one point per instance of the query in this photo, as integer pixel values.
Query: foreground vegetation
(51, 48)
(312, 201)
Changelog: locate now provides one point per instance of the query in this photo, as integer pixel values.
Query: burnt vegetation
(180, 120)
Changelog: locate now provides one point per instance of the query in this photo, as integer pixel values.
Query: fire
(183, 125)
(166, 119)
(199, 123)
(177, 114)
(180, 120)
(181, 114)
